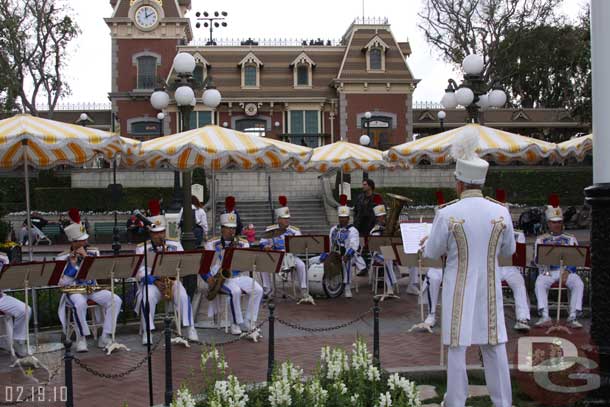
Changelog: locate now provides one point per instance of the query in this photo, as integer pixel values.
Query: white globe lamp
(159, 100)
(449, 101)
(160, 116)
(497, 98)
(83, 117)
(368, 115)
(483, 101)
(211, 98)
(473, 64)
(365, 140)
(464, 96)
(184, 63)
(184, 95)
(441, 115)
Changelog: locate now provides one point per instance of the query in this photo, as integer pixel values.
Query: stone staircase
(307, 214)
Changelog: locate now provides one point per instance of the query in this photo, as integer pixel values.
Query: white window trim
(134, 62)
(200, 60)
(304, 119)
(250, 60)
(302, 59)
(376, 43)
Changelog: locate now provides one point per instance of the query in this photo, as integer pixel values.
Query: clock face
(146, 17)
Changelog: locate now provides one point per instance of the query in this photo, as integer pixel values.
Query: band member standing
(79, 249)
(157, 288)
(472, 233)
(547, 276)
(345, 239)
(279, 242)
(237, 283)
(378, 229)
(15, 309)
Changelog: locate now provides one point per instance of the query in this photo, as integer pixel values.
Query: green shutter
(205, 118)
(296, 122)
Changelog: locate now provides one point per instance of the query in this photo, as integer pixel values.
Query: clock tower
(145, 35)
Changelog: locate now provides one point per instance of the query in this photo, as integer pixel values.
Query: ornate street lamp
(441, 118)
(184, 95)
(473, 93)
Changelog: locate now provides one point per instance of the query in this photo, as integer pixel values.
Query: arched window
(302, 75)
(147, 72)
(250, 72)
(375, 59)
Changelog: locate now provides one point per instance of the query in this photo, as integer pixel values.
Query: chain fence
(227, 342)
(325, 329)
(124, 373)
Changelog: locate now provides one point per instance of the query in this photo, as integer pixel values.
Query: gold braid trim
(457, 229)
(492, 316)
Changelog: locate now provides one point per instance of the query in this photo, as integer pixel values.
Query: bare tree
(34, 35)
(461, 27)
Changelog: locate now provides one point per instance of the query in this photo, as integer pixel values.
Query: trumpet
(83, 289)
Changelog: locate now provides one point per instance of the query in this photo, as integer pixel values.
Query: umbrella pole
(213, 198)
(24, 142)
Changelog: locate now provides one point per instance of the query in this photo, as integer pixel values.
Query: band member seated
(79, 249)
(514, 279)
(283, 228)
(547, 276)
(236, 284)
(158, 287)
(378, 229)
(345, 239)
(15, 309)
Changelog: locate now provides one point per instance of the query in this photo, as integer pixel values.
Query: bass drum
(320, 286)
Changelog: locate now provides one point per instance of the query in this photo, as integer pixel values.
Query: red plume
(283, 200)
(501, 195)
(343, 200)
(154, 207)
(554, 200)
(74, 215)
(229, 203)
(377, 200)
(440, 198)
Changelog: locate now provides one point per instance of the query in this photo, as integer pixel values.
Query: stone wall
(100, 178)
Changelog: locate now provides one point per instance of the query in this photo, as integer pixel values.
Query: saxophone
(224, 274)
(164, 284)
(85, 289)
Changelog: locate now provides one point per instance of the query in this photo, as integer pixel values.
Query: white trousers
(515, 281)
(104, 299)
(15, 309)
(301, 275)
(413, 276)
(574, 284)
(497, 376)
(389, 275)
(180, 300)
(432, 287)
(234, 287)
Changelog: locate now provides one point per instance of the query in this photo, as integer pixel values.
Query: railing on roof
(425, 104)
(371, 21)
(76, 106)
(264, 42)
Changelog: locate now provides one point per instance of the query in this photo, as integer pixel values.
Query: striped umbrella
(495, 145)
(215, 147)
(344, 156)
(44, 143)
(27, 141)
(577, 147)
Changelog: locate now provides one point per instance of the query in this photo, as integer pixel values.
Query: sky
(88, 69)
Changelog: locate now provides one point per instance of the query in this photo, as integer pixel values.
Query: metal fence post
(376, 359)
(270, 361)
(169, 392)
(68, 356)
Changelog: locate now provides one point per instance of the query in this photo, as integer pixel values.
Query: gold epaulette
(272, 227)
(294, 227)
(243, 240)
(214, 238)
(447, 204)
(63, 253)
(568, 234)
(489, 198)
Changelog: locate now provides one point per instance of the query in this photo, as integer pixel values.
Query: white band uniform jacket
(472, 232)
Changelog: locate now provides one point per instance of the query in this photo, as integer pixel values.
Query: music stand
(518, 259)
(377, 245)
(177, 264)
(253, 259)
(565, 256)
(18, 276)
(96, 268)
(307, 244)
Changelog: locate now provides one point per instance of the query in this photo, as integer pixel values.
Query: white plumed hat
(469, 168)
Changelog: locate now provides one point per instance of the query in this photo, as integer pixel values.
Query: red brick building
(313, 91)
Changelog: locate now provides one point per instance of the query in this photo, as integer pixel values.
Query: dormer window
(201, 68)
(250, 71)
(375, 54)
(302, 71)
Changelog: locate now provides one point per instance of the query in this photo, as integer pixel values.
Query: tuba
(218, 280)
(397, 202)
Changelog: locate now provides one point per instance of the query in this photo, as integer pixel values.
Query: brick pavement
(399, 349)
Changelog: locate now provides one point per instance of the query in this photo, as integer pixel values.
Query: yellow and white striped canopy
(494, 145)
(217, 147)
(577, 147)
(51, 143)
(345, 156)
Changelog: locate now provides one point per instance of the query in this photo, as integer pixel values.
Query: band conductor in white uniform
(14, 309)
(237, 284)
(472, 232)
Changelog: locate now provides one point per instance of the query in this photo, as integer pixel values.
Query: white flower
(279, 393)
(229, 393)
(385, 400)
(361, 358)
(372, 374)
(316, 393)
(222, 364)
(397, 383)
(341, 388)
(184, 398)
(290, 373)
(354, 399)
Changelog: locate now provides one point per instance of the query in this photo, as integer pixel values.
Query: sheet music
(412, 234)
